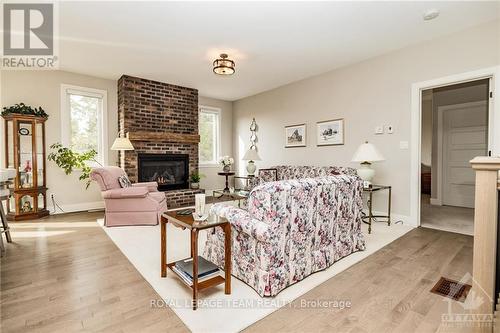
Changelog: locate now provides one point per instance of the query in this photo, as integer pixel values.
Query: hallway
(446, 218)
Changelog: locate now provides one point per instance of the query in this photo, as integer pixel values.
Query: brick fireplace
(170, 171)
(161, 119)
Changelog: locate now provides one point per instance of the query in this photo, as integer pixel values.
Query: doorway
(454, 130)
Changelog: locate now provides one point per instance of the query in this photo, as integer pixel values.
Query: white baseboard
(79, 207)
(442, 228)
(436, 202)
(397, 218)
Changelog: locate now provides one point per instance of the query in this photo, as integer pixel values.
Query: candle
(199, 204)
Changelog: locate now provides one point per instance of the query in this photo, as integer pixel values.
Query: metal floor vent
(452, 289)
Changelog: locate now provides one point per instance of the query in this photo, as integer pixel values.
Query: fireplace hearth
(170, 171)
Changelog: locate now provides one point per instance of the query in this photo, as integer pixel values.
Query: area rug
(219, 312)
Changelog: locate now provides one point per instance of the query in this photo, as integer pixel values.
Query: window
(209, 126)
(83, 120)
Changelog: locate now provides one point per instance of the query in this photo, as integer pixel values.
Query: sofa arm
(243, 221)
(127, 192)
(151, 186)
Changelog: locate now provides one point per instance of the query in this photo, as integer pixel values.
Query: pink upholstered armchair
(140, 204)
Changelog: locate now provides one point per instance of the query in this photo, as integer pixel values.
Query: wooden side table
(370, 217)
(187, 222)
(226, 174)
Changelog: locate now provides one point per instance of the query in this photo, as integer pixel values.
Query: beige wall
(210, 180)
(42, 88)
(367, 94)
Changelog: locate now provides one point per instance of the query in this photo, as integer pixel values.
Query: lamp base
(366, 173)
(251, 168)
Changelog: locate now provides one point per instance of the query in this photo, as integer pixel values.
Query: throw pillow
(124, 181)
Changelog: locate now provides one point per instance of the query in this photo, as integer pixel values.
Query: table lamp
(122, 143)
(366, 154)
(251, 155)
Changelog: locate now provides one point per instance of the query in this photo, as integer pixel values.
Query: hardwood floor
(63, 274)
(389, 290)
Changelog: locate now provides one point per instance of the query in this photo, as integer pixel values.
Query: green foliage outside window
(208, 137)
(84, 117)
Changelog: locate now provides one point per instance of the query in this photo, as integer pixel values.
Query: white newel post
(485, 234)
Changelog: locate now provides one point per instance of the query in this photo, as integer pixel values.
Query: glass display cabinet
(25, 152)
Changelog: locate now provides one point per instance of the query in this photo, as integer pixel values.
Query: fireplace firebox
(170, 171)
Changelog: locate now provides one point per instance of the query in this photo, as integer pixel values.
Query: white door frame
(416, 120)
(440, 163)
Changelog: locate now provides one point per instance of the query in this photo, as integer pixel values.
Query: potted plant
(69, 160)
(226, 162)
(24, 109)
(195, 180)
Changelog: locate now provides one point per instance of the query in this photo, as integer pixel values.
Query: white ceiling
(272, 43)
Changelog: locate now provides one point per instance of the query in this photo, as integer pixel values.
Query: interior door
(465, 136)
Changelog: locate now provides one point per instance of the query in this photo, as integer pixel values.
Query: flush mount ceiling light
(430, 14)
(223, 65)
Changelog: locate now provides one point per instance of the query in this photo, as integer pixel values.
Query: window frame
(102, 142)
(216, 111)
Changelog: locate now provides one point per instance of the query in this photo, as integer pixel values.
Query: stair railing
(485, 239)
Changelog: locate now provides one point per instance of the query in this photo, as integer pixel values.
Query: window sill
(210, 166)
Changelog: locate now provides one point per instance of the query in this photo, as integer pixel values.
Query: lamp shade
(367, 152)
(251, 155)
(122, 144)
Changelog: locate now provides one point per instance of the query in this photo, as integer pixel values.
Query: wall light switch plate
(389, 129)
(379, 130)
(403, 145)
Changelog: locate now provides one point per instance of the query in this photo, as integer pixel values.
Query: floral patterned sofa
(292, 228)
(283, 172)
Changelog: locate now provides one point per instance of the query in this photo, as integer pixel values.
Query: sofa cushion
(284, 172)
(123, 193)
(152, 186)
(124, 181)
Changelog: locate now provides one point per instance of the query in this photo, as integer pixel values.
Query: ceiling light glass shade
(223, 65)
(251, 155)
(122, 144)
(367, 152)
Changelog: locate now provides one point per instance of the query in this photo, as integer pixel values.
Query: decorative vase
(251, 168)
(195, 186)
(199, 204)
(226, 168)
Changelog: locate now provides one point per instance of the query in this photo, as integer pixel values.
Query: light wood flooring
(63, 274)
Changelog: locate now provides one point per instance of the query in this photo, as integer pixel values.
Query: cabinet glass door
(25, 172)
(10, 143)
(39, 154)
(26, 204)
(41, 201)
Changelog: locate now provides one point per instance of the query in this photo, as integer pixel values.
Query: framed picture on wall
(330, 132)
(295, 136)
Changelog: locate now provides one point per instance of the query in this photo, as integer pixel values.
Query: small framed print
(330, 132)
(295, 136)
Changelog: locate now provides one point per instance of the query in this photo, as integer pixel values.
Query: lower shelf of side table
(213, 281)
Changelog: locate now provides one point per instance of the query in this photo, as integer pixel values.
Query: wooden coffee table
(187, 222)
